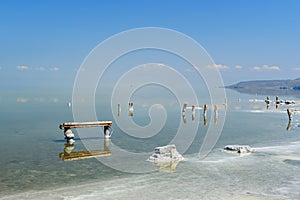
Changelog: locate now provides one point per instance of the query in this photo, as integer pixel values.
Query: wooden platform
(69, 125)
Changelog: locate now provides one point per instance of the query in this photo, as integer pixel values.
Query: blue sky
(43, 43)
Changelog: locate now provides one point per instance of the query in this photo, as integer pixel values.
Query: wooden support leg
(69, 135)
(107, 132)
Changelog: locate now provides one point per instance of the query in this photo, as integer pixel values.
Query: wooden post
(205, 107)
(277, 100)
(69, 135)
(289, 112)
(130, 113)
(193, 112)
(184, 107)
(183, 113)
(268, 102)
(107, 132)
(216, 114)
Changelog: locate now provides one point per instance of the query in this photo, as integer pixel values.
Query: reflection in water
(166, 166)
(225, 104)
(288, 128)
(204, 120)
(119, 110)
(165, 158)
(68, 153)
(184, 117)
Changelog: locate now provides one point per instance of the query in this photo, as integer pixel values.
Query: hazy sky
(43, 43)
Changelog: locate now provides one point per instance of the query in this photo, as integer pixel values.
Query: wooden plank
(84, 154)
(68, 125)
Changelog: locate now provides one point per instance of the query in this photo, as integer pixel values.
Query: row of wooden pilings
(289, 111)
(278, 102)
(185, 107)
(130, 109)
(205, 108)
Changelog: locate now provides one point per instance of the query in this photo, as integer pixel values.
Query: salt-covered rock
(239, 149)
(165, 154)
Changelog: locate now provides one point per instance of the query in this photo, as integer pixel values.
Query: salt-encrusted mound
(239, 148)
(165, 154)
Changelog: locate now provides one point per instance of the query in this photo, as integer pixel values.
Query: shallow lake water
(31, 143)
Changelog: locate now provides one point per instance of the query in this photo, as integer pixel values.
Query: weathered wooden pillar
(183, 113)
(119, 110)
(267, 100)
(193, 112)
(106, 131)
(205, 107)
(216, 114)
(184, 107)
(69, 135)
(277, 102)
(130, 113)
(289, 112)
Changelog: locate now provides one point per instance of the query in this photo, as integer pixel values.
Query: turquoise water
(31, 143)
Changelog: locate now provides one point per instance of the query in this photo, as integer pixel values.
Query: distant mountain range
(269, 87)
